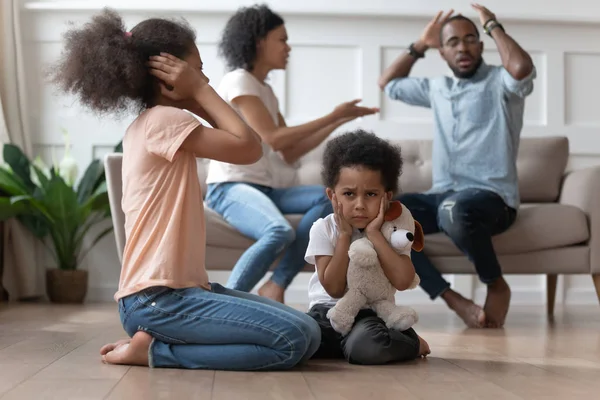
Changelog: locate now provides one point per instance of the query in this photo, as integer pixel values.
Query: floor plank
(259, 385)
(143, 383)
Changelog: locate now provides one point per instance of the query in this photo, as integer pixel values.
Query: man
(478, 117)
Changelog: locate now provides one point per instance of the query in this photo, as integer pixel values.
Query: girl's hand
(183, 81)
(338, 213)
(375, 225)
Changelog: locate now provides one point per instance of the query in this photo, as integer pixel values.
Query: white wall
(339, 49)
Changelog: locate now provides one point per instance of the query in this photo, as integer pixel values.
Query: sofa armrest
(581, 188)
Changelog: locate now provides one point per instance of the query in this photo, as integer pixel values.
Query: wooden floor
(51, 352)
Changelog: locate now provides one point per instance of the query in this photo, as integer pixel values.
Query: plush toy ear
(394, 211)
(419, 241)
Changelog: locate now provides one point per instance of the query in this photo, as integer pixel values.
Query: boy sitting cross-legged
(361, 172)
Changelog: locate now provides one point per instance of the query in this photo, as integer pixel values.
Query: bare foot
(134, 352)
(469, 312)
(111, 346)
(423, 347)
(497, 303)
(272, 291)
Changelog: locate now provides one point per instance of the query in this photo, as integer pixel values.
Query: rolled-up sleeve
(413, 91)
(521, 88)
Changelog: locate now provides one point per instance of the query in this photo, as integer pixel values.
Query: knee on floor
(293, 346)
(367, 347)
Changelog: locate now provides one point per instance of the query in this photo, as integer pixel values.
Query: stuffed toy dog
(367, 284)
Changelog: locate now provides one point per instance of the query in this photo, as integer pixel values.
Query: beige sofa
(556, 232)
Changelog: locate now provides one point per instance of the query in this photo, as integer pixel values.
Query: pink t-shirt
(162, 201)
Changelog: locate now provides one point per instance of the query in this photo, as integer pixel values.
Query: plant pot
(66, 286)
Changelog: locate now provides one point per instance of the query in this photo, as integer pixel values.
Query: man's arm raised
(515, 60)
(430, 39)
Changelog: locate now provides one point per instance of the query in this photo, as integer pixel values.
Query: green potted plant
(58, 212)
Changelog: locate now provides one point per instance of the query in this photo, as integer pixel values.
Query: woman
(254, 198)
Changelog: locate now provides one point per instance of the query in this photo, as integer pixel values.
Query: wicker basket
(66, 286)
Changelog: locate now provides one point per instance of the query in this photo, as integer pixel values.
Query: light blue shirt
(478, 125)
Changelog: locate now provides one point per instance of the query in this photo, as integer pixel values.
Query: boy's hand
(374, 226)
(338, 213)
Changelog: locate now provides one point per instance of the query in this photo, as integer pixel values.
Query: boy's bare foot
(272, 291)
(111, 346)
(469, 312)
(423, 347)
(128, 352)
(497, 303)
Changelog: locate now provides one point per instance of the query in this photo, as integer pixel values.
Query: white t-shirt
(322, 240)
(271, 170)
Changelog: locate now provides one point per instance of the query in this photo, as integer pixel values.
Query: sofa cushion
(541, 165)
(537, 227)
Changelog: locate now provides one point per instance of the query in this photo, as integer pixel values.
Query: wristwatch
(490, 24)
(413, 52)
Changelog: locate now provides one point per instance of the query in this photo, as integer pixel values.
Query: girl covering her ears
(173, 314)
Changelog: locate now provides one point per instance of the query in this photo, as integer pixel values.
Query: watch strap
(413, 52)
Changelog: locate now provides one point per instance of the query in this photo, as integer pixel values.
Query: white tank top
(271, 170)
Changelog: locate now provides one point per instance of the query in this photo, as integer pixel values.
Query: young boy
(360, 171)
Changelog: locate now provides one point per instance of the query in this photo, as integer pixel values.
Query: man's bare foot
(469, 312)
(133, 352)
(272, 291)
(497, 303)
(423, 347)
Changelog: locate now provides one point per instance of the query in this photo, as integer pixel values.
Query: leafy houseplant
(49, 204)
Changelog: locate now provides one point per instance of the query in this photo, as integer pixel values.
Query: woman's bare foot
(497, 303)
(128, 352)
(469, 312)
(272, 291)
(423, 347)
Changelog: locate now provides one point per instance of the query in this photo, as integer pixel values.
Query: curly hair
(105, 66)
(243, 31)
(365, 149)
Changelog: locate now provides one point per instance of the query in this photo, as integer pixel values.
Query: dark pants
(369, 342)
(470, 218)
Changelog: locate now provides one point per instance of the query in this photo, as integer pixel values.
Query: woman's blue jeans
(258, 213)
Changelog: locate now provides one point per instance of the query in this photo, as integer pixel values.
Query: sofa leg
(551, 280)
(596, 279)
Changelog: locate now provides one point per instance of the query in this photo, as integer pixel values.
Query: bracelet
(485, 24)
(490, 24)
(413, 52)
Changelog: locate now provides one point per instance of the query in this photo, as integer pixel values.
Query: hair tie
(128, 34)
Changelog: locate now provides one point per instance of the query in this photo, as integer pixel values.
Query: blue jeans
(257, 212)
(470, 218)
(221, 329)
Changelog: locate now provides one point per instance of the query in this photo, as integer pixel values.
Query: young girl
(360, 171)
(254, 198)
(174, 316)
